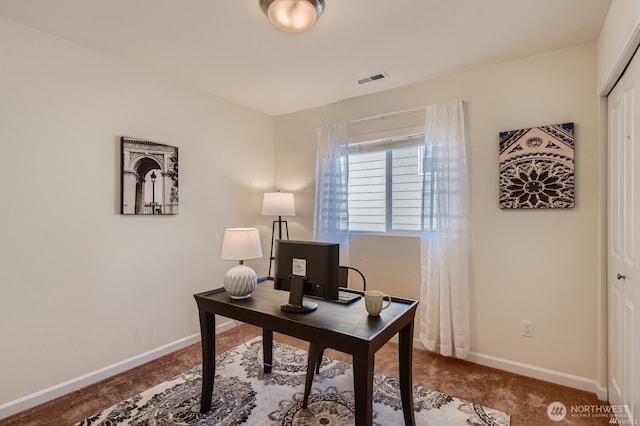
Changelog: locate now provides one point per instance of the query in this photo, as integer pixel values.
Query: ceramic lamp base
(240, 281)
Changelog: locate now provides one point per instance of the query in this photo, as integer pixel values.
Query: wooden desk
(346, 328)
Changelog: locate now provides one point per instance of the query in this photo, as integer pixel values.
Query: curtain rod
(382, 116)
(388, 114)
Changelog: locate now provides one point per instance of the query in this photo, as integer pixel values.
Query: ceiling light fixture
(292, 16)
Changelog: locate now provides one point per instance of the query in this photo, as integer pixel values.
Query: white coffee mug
(373, 302)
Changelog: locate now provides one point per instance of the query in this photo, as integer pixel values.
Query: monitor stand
(296, 292)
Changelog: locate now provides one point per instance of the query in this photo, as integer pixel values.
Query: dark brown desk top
(334, 325)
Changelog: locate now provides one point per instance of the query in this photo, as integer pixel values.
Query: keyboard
(346, 297)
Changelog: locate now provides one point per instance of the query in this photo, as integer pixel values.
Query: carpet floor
(245, 395)
(525, 399)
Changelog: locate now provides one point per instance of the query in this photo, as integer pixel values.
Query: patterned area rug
(244, 394)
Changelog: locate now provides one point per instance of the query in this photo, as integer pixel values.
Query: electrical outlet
(527, 328)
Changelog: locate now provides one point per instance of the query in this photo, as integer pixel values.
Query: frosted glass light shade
(241, 244)
(292, 15)
(278, 204)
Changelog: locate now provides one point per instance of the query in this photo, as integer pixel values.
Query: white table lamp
(278, 204)
(241, 244)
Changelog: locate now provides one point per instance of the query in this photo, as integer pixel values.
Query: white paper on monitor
(299, 267)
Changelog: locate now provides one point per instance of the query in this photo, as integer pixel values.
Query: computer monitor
(313, 264)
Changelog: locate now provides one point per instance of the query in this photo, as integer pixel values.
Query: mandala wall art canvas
(537, 168)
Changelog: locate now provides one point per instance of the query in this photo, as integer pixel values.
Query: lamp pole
(153, 192)
(278, 204)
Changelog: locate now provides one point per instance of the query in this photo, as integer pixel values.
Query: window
(385, 187)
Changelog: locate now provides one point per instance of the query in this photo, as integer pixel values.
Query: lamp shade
(278, 204)
(241, 244)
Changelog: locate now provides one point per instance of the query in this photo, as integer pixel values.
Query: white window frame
(413, 137)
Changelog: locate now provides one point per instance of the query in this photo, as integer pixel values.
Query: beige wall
(543, 266)
(94, 288)
(82, 287)
(617, 43)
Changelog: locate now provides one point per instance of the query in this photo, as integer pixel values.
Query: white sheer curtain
(331, 217)
(444, 297)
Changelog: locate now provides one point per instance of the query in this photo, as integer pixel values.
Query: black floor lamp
(278, 204)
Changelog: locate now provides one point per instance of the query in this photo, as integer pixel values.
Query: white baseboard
(45, 395)
(547, 375)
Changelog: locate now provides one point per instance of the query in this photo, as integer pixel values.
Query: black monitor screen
(317, 262)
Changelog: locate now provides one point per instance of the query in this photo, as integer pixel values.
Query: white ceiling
(228, 47)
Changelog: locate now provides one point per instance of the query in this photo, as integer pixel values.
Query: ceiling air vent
(374, 77)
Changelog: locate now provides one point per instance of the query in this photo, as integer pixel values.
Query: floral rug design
(244, 394)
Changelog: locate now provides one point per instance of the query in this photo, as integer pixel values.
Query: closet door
(624, 244)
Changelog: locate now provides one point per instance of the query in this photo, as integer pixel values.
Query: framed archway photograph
(149, 178)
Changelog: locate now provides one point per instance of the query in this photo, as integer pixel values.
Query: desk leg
(208, 337)
(363, 368)
(267, 349)
(405, 352)
(314, 359)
